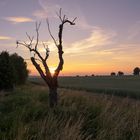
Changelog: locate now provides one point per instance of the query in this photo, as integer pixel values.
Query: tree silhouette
(20, 68)
(113, 74)
(7, 76)
(120, 73)
(50, 79)
(13, 70)
(136, 71)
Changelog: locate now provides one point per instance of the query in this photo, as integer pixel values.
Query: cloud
(49, 8)
(15, 20)
(40, 14)
(99, 37)
(5, 38)
(82, 22)
(134, 31)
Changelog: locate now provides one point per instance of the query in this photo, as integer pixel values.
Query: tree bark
(53, 97)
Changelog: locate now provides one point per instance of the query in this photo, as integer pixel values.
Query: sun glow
(52, 69)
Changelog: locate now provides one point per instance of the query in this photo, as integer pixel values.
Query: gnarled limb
(64, 20)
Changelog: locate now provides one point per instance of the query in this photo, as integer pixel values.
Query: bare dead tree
(50, 79)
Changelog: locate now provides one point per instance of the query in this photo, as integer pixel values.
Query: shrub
(6, 72)
(20, 68)
(13, 70)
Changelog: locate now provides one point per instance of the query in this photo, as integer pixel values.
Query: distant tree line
(136, 71)
(120, 73)
(13, 70)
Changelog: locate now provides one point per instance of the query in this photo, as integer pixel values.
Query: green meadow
(126, 86)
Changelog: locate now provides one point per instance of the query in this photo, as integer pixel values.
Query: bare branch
(17, 42)
(50, 32)
(38, 25)
(64, 20)
(60, 12)
(74, 19)
(31, 39)
(23, 44)
(37, 34)
(37, 66)
(59, 17)
(47, 51)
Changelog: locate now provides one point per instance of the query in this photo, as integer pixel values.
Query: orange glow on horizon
(86, 70)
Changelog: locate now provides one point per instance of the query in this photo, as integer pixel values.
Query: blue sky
(106, 36)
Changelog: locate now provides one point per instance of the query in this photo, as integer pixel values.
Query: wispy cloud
(48, 8)
(5, 38)
(99, 37)
(15, 20)
(40, 14)
(82, 23)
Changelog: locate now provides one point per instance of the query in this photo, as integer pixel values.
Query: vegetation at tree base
(25, 115)
(136, 71)
(13, 71)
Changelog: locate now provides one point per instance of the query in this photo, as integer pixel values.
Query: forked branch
(63, 20)
(34, 49)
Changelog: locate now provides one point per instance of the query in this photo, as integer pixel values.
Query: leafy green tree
(20, 68)
(13, 70)
(6, 72)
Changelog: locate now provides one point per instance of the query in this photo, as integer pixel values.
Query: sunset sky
(106, 36)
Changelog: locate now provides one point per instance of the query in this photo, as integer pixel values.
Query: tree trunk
(53, 97)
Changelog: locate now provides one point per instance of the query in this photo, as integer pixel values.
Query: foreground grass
(25, 115)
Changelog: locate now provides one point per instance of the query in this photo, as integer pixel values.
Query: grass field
(116, 85)
(80, 115)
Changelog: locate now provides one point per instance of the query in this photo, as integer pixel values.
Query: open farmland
(116, 85)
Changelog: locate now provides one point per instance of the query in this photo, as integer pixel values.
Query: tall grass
(25, 115)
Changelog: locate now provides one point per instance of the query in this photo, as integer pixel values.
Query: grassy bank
(126, 86)
(25, 115)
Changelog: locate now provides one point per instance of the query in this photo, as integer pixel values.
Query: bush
(20, 68)
(13, 71)
(6, 72)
